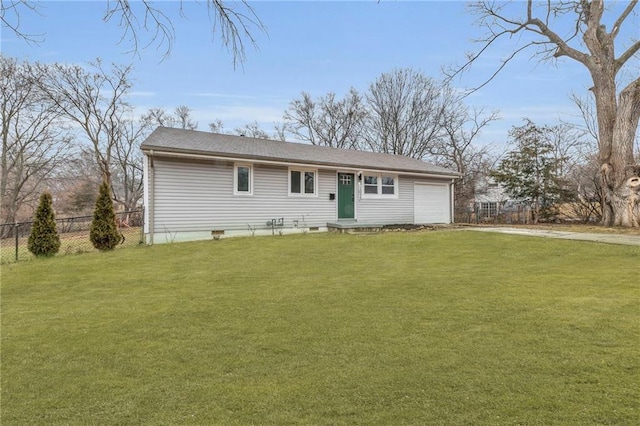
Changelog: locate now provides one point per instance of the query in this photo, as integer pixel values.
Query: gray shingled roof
(204, 143)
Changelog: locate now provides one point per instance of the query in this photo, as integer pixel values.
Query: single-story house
(200, 184)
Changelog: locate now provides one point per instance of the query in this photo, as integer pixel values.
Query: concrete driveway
(631, 240)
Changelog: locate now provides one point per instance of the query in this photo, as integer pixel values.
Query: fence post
(17, 225)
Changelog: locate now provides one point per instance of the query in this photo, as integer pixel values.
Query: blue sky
(317, 47)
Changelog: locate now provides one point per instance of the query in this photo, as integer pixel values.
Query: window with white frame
(488, 210)
(303, 182)
(243, 179)
(379, 185)
(371, 184)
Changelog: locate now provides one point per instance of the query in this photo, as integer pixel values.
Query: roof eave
(184, 153)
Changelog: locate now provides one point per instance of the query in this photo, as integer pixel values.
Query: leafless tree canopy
(327, 121)
(146, 22)
(252, 130)
(405, 112)
(93, 99)
(34, 142)
(11, 16)
(181, 118)
(456, 147)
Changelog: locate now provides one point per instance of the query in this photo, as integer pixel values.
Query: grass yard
(446, 327)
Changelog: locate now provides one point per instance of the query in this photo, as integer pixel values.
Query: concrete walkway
(631, 240)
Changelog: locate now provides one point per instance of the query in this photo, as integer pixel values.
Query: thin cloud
(222, 95)
(142, 94)
(238, 115)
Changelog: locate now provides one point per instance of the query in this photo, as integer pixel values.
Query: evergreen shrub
(104, 232)
(44, 239)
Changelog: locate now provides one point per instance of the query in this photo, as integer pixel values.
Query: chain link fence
(74, 235)
(494, 213)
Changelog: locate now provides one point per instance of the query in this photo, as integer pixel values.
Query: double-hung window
(243, 179)
(371, 185)
(379, 186)
(488, 210)
(303, 182)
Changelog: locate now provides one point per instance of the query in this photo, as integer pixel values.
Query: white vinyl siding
(199, 196)
(399, 210)
(395, 209)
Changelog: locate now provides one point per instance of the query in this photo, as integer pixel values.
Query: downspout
(150, 208)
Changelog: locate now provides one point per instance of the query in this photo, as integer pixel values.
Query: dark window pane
(370, 189)
(370, 180)
(309, 185)
(386, 180)
(295, 182)
(388, 190)
(243, 179)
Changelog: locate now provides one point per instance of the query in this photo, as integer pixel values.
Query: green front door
(346, 199)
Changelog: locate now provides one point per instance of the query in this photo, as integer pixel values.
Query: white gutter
(288, 163)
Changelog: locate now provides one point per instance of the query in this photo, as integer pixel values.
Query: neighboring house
(199, 184)
(490, 199)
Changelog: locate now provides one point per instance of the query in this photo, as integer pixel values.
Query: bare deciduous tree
(570, 147)
(590, 43)
(94, 101)
(10, 14)
(216, 126)
(33, 141)
(127, 176)
(252, 130)
(75, 183)
(587, 110)
(327, 121)
(181, 118)
(455, 148)
(279, 131)
(148, 22)
(405, 109)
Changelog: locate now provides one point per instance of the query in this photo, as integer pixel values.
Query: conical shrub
(44, 239)
(104, 233)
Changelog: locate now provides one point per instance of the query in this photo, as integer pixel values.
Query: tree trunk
(619, 172)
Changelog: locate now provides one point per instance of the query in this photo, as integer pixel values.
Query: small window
(302, 182)
(345, 179)
(370, 184)
(309, 182)
(295, 181)
(388, 186)
(243, 179)
(380, 186)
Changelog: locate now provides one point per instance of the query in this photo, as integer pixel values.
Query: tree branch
(628, 54)
(14, 6)
(616, 26)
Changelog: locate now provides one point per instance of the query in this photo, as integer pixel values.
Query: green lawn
(446, 327)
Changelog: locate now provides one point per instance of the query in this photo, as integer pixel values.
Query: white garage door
(431, 203)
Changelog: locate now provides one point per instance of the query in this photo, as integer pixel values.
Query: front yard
(446, 327)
